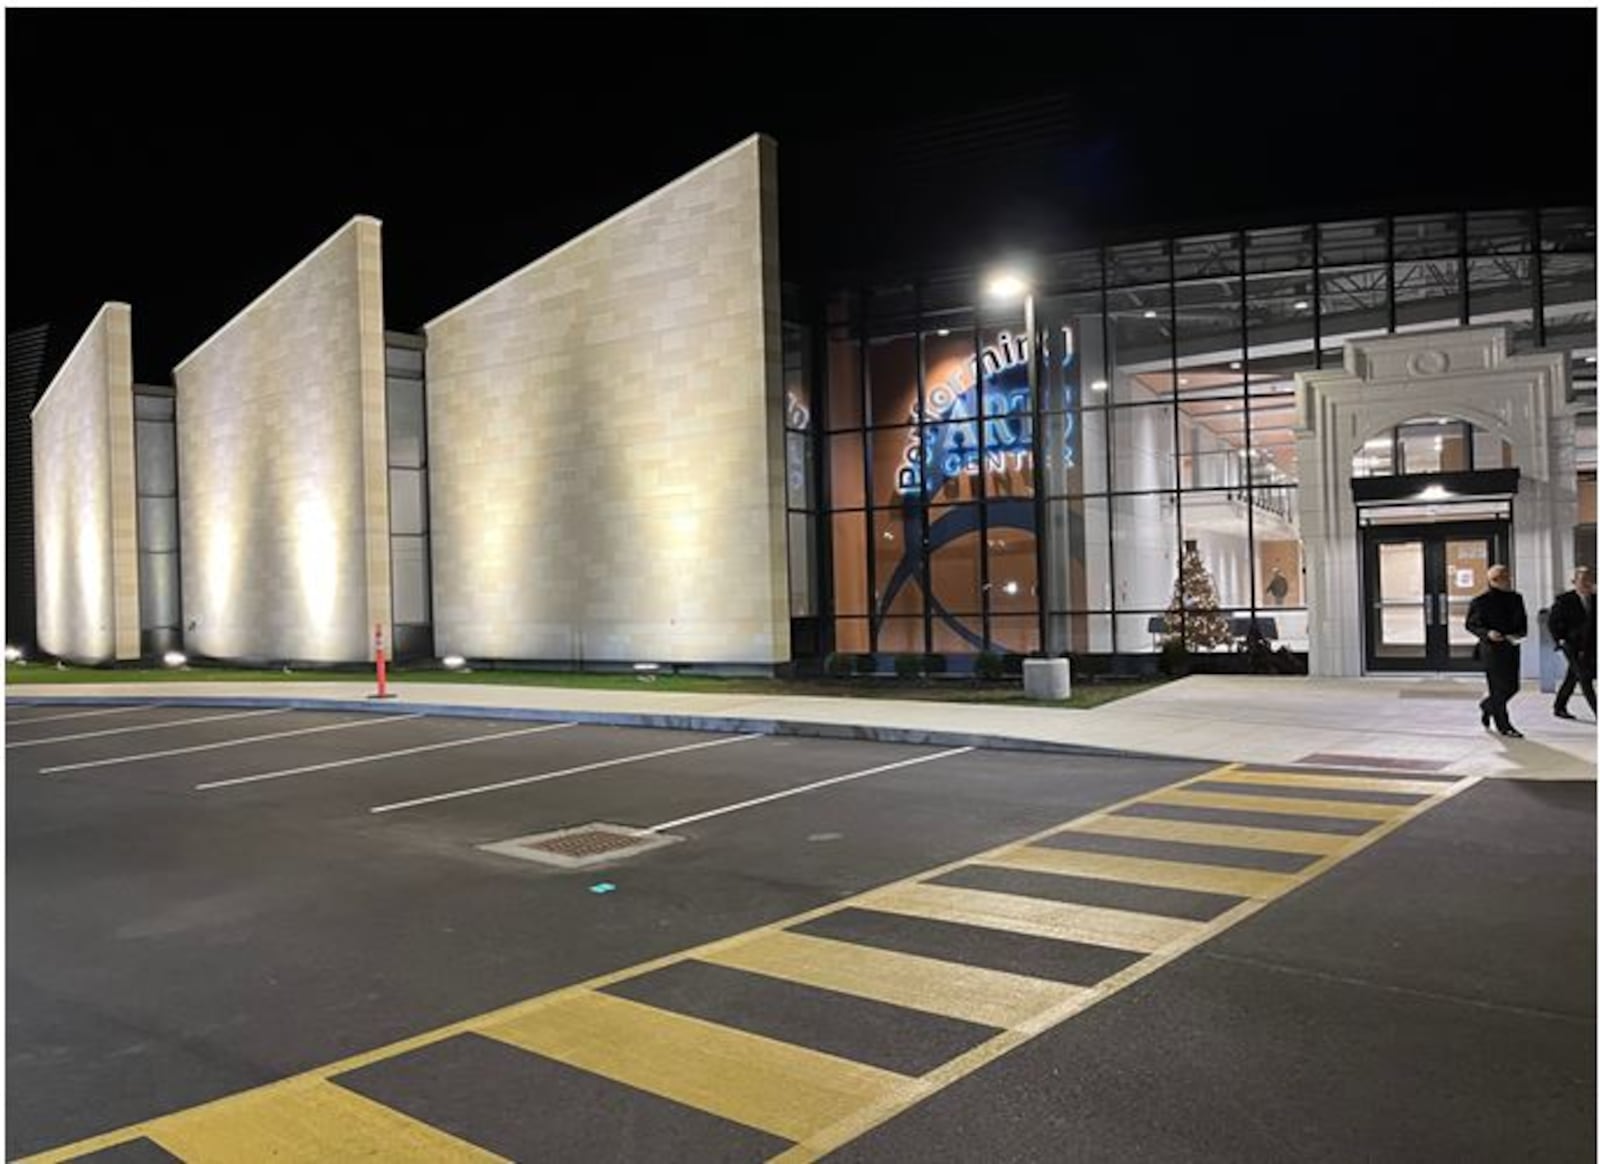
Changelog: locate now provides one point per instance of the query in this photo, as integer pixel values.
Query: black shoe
(1563, 713)
(1485, 718)
(1511, 731)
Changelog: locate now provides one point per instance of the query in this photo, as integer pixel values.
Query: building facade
(644, 447)
(1183, 388)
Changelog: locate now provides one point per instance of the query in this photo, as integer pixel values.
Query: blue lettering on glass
(950, 420)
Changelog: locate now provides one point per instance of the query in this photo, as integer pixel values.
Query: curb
(702, 723)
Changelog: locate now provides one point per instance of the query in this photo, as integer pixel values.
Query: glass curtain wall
(1166, 416)
(405, 411)
(800, 479)
(155, 461)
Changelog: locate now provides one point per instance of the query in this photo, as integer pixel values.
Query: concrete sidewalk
(1403, 724)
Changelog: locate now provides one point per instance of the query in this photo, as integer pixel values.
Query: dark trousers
(1580, 673)
(1502, 666)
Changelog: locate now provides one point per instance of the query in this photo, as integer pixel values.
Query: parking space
(101, 738)
(204, 908)
(22, 716)
(212, 903)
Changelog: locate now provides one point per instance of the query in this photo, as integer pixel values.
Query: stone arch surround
(1469, 373)
(1378, 423)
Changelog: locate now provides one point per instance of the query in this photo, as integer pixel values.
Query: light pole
(1008, 285)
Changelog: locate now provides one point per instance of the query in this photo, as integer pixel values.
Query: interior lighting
(1434, 493)
(1590, 359)
(1011, 588)
(13, 653)
(174, 659)
(1235, 365)
(944, 331)
(646, 672)
(453, 662)
(1099, 386)
(1150, 314)
(1301, 305)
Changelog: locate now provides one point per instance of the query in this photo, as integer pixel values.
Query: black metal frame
(1436, 652)
(1460, 252)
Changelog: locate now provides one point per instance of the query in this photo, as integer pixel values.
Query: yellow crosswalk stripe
(1194, 832)
(992, 997)
(1346, 809)
(305, 1120)
(1144, 871)
(818, 1100)
(762, 1083)
(1037, 916)
(1319, 780)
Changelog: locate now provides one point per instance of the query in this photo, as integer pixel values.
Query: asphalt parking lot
(203, 902)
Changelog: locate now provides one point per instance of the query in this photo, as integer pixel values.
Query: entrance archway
(1442, 429)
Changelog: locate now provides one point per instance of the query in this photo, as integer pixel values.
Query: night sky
(182, 161)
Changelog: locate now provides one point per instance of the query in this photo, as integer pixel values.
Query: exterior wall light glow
(1434, 493)
(174, 659)
(13, 654)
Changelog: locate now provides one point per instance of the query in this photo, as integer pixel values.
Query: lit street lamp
(1007, 286)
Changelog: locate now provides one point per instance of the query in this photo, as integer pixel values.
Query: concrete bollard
(1047, 678)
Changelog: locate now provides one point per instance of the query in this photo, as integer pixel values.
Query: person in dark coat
(1500, 621)
(1572, 627)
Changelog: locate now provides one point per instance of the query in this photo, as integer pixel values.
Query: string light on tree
(1193, 617)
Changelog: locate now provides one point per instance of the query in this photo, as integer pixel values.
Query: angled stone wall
(605, 435)
(85, 514)
(282, 474)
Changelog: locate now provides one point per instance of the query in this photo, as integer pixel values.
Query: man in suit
(1572, 627)
(1500, 621)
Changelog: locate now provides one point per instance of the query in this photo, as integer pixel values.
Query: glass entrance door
(1418, 581)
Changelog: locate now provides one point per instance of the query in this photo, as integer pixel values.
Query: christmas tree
(1193, 617)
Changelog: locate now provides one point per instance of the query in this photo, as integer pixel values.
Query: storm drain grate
(587, 844)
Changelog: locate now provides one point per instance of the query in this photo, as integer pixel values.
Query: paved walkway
(1402, 724)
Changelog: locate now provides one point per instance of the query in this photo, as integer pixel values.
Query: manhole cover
(587, 844)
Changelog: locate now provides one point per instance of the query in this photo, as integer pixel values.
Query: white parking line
(148, 727)
(683, 820)
(366, 721)
(521, 780)
(11, 723)
(546, 727)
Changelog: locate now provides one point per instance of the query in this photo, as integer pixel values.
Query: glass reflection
(1174, 421)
